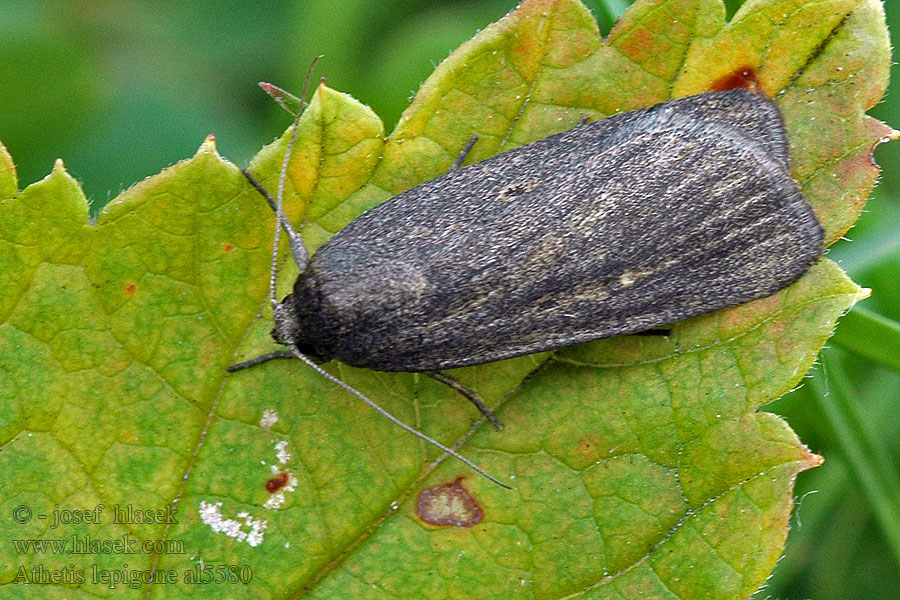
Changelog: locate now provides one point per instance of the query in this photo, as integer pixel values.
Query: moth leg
(298, 249)
(263, 191)
(296, 352)
(469, 394)
(662, 332)
(464, 153)
(260, 360)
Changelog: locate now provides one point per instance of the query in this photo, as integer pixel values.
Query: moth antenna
(301, 256)
(395, 420)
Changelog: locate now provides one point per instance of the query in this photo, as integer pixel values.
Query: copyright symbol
(21, 514)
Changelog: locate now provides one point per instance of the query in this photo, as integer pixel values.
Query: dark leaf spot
(448, 504)
(229, 247)
(277, 482)
(129, 289)
(744, 77)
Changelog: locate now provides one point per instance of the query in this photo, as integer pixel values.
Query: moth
(615, 227)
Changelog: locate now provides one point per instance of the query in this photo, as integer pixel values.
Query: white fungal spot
(275, 501)
(250, 530)
(269, 418)
(281, 477)
(281, 452)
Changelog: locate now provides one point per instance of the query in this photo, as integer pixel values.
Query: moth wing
(750, 113)
(612, 228)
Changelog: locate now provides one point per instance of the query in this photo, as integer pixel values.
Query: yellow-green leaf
(640, 466)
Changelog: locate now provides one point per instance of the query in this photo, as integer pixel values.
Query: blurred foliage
(121, 89)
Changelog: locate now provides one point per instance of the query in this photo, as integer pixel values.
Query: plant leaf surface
(640, 466)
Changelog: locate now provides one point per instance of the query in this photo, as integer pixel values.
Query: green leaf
(640, 466)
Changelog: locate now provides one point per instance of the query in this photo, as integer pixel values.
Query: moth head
(287, 330)
(285, 322)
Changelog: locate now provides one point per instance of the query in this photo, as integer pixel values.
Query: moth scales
(614, 227)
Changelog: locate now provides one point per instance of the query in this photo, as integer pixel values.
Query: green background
(121, 89)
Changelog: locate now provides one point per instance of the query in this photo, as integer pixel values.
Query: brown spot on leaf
(277, 482)
(744, 77)
(587, 449)
(129, 289)
(448, 504)
(229, 247)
